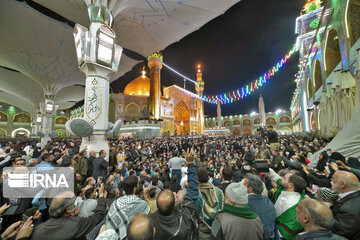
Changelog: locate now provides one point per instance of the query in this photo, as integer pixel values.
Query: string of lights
(183, 76)
(248, 89)
(243, 92)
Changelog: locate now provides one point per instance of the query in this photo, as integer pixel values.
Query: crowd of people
(234, 187)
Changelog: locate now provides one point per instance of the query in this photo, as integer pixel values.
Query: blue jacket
(263, 207)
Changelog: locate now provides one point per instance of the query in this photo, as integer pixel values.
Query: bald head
(314, 215)
(343, 182)
(61, 203)
(140, 228)
(166, 202)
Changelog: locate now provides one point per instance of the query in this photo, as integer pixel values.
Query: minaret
(218, 113)
(155, 61)
(199, 87)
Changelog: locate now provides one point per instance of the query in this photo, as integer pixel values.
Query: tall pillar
(48, 109)
(199, 87)
(98, 57)
(155, 64)
(218, 112)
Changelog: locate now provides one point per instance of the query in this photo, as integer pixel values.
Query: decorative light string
(244, 91)
(248, 89)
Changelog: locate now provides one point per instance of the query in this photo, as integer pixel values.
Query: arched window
(247, 131)
(247, 123)
(227, 123)
(236, 122)
(3, 117)
(309, 89)
(236, 131)
(352, 20)
(257, 121)
(285, 119)
(317, 75)
(271, 121)
(332, 55)
(132, 109)
(22, 117)
(61, 120)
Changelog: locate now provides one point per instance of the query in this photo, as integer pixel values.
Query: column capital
(155, 61)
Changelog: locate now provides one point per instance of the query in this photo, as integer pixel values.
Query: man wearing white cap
(236, 221)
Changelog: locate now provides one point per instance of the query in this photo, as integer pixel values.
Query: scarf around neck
(239, 211)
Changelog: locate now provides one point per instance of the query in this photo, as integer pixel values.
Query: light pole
(48, 109)
(98, 56)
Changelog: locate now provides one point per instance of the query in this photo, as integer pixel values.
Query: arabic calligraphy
(92, 100)
(93, 103)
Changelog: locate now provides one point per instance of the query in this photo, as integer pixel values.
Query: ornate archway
(247, 131)
(182, 118)
(332, 54)
(227, 123)
(20, 132)
(236, 131)
(285, 119)
(312, 122)
(22, 117)
(352, 20)
(246, 123)
(309, 89)
(61, 120)
(62, 133)
(317, 79)
(270, 121)
(3, 117)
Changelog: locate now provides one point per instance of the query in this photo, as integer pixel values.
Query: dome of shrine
(138, 87)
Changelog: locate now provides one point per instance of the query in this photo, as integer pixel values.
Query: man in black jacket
(64, 224)
(100, 165)
(273, 138)
(178, 222)
(90, 163)
(347, 208)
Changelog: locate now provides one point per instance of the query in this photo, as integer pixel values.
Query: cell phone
(146, 183)
(13, 201)
(100, 179)
(24, 218)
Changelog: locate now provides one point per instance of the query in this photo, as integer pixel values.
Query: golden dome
(138, 87)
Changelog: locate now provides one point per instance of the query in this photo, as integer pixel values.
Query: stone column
(96, 105)
(218, 111)
(155, 64)
(199, 87)
(98, 56)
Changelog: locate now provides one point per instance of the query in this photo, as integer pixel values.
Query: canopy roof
(42, 49)
(148, 26)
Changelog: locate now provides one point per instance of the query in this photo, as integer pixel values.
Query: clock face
(315, 23)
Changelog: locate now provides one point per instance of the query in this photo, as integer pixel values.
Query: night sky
(235, 49)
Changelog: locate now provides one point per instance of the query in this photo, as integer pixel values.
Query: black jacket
(99, 167)
(70, 227)
(273, 137)
(347, 216)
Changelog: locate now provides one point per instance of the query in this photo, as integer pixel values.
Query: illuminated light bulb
(143, 72)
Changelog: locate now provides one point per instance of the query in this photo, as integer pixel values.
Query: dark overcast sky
(235, 49)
